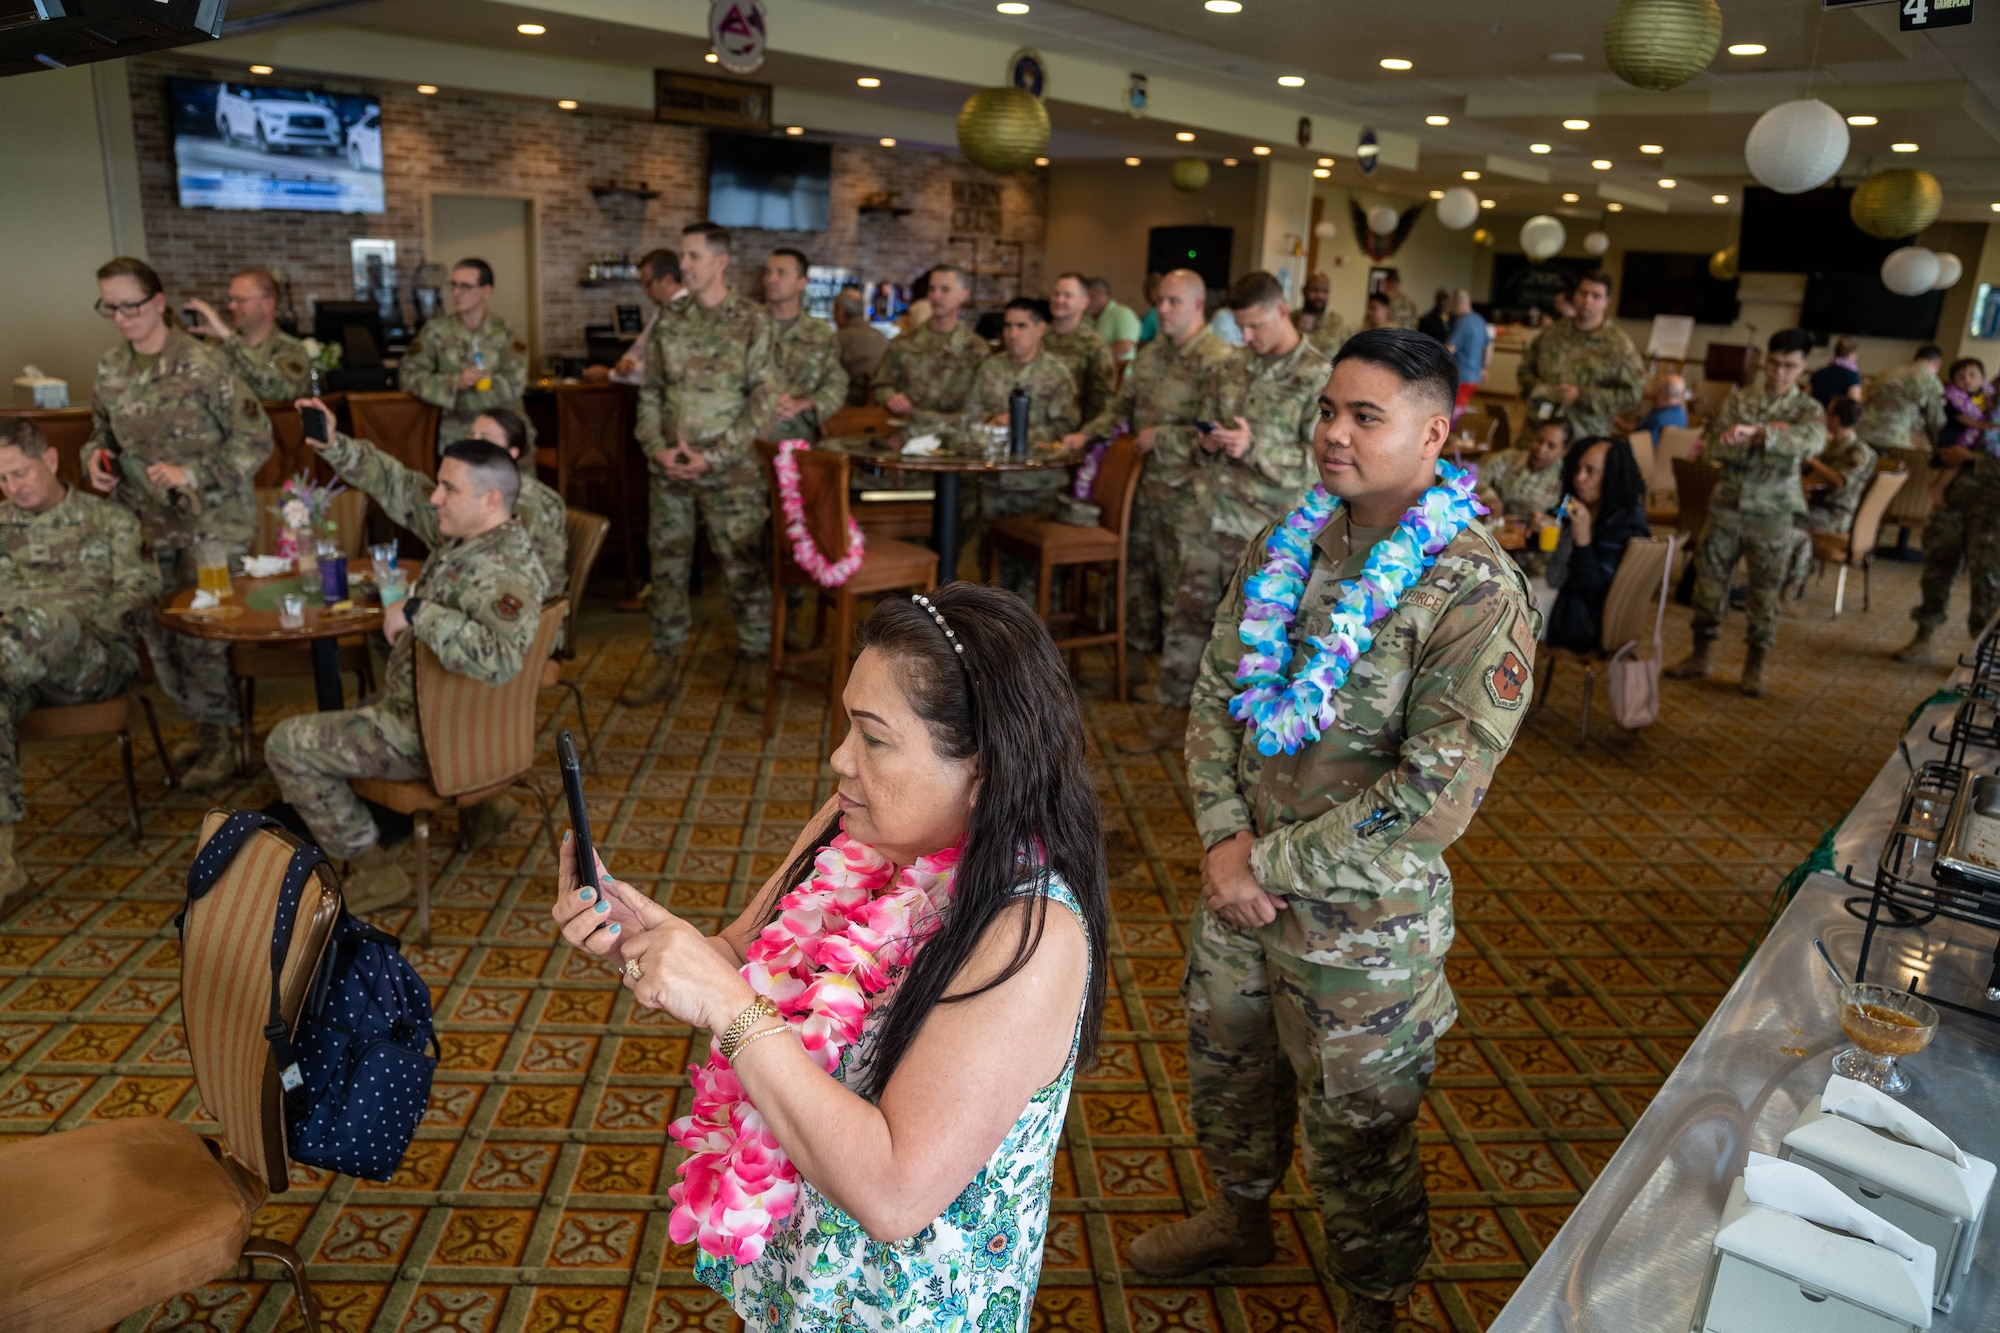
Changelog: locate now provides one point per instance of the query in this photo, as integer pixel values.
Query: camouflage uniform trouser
(48, 657)
(1813, 520)
(1206, 560)
(1142, 575)
(1765, 542)
(313, 755)
(735, 504)
(1008, 495)
(1966, 533)
(1258, 1038)
(193, 672)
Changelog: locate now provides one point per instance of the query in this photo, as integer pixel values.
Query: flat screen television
(769, 184)
(1806, 233)
(1859, 303)
(262, 146)
(1661, 283)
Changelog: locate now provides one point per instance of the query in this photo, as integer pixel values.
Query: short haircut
(1790, 340)
(1928, 352)
(1377, 298)
(1965, 361)
(1844, 345)
(1098, 285)
(23, 434)
(479, 266)
(1253, 290)
(964, 279)
(661, 263)
(262, 277)
(847, 301)
(493, 468)
(125, 266)
(1424, 364)
(1596, 275)
(1034, 306)
(797, 256)
(1846, 411)
(1559, 423)
(1624, 485)
(514, 426)
(1084, 282)
(714, 233)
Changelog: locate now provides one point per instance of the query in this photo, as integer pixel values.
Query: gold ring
(631, 969)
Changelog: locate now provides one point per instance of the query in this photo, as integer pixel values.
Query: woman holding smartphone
(904, 1005)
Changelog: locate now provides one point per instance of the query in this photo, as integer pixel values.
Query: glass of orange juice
(1549, 536)
(211, 569)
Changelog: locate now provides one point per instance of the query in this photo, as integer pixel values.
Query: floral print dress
(972, 1270)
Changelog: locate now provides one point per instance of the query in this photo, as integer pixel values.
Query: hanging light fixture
(1661, 44)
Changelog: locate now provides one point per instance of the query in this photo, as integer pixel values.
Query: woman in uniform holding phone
(177, 439)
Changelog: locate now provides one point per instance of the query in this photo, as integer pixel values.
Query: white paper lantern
(1796, 146)
(1910, 271)
(1325, 230)
(1458, 209)
(1382, 219)
(1542, 236)
(1596, 243)
(1950, 270)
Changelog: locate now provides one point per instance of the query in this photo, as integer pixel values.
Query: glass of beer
(211, 569)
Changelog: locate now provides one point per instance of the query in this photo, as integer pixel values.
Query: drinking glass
(292, 610)
(393, 585)
(382, 556)
(1550, 536)
(211, 569)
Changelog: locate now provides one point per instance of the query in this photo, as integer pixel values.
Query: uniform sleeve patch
(1506, 681)
(508, 607)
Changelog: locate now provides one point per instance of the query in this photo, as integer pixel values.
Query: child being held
(1974, 427)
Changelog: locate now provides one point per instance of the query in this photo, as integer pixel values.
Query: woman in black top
(1607, 509)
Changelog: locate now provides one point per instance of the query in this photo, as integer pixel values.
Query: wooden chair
(290, 454)
(401, 425)
(1694, 483)
(479, 741)
(68, 429)
(585, 535)
(1630, 620)
(64, 722)
(887, 565)
(1676, 442)
(597, 463)
(1052, 545)
(1912, 506)
(1855, 548)
(101, 1222)
(1642, 454)
(850, 420)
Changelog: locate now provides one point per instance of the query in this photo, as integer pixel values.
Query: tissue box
(40, 392)
(1771, 1272)
(1919, 1191)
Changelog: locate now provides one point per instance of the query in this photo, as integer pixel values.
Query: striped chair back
(479, 736)
(226, 990)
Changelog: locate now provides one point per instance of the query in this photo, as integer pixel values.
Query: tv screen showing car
(261, 146)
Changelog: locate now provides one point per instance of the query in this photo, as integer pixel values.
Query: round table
(946, 466)
(252, 614)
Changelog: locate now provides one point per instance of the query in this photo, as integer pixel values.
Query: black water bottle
(1018, 403)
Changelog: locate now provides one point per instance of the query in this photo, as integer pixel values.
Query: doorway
(501, 232)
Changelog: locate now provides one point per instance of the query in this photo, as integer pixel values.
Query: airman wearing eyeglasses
(467, 361)
(272, 362)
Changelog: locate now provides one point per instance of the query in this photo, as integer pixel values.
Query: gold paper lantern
(1003, 129)
(1722, 264)
(1895, 204)
(1661, 44)
(1482, 237)
(1189, 174)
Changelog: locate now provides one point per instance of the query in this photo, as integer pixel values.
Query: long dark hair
(1624, 486)
(1008, 704)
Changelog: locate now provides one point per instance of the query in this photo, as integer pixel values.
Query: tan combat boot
(1168, 733)
(1917, 651)
(652, 687)
(216, 763)
(1366, 1314)
(1232, 1230)
(484, 824)
(1695, 666)
(13, 879)
(193, 745)
(1753, 672)
(374, 882)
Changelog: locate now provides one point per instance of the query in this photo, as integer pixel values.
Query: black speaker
(1203, 249)
(55, 34)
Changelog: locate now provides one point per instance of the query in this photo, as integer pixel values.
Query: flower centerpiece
(305, 513)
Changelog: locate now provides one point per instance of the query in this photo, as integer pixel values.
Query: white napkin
(266, 566)
(1804, 1193)
(1869, 1106)
(203, 600)
(923, 444)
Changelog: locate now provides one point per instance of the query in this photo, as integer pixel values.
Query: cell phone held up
(579, 813)
(316, 425)
(1204, 427)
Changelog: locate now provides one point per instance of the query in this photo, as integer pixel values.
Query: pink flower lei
(836, 944)
(826, 573)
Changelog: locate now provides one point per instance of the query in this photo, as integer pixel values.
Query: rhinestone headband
(957, 644)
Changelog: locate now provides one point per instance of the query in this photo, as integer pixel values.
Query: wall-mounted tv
(1662, 283)
(261, 146)
(769, 184)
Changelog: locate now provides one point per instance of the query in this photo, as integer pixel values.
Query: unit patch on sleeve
(508, 607)
(1506, 681)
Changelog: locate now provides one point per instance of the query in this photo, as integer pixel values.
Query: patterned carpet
(1605, 898)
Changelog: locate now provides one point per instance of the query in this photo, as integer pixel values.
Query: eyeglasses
(114, 309)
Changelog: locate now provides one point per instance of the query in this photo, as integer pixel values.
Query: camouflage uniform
(1329, 333)
(184, 407)
(1521, 491)
(480, 607)
(443, 348)
(405, 496)
(1164, 390)
(1751, 512)
(1279, 397)
(1902, 401)
(708, 382)
(74, 589)
(277, 369)
(1603, 365)
(1088, 357)
(1343, 996)
(1051, 415)
(1403, 311)
(805, 356)
(1964, 532)
(1833, 510)
(933, 370)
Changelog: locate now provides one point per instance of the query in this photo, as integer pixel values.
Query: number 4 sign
(1921, 15)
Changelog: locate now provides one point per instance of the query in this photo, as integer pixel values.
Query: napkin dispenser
(1771, 1271)
(1918, 1189)
(34, 391)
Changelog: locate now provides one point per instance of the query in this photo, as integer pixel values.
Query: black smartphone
(1204, 426)
(191, 318)
(315, 423)
(579, 815)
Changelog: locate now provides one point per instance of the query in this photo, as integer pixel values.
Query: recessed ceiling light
(1565, 57)
(1571, 198)
(1228, 161)
(260, 69)
(1748, 49)
(1668, 183)
(1321, 173)
(868, 81)
(1291, 81)
(1261, 151)
(1902, 148)
(1863, 121)
(1651, 148)
(1437, 120)
(1718, 199)
(1131, 161)
(1185, 136)
(1396, 62)
(1041, 161)
(1576, 124)
(1614, 208)
(1488, 203)
(1468, 175)
(886, 141)
(567, 104)
(1602, 164)
(1540, 148)
(1011, 7)
(1995, 205)
(795, 129)
(1324, 162)
(712, 58)
(1224, 6)
(427, 89)
(1437, 194)
(530, 29)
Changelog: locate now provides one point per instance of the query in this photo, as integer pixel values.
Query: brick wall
(476, 144)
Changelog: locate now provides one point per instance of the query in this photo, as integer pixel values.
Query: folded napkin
(203, 601)
(266, 566)
(1804, 1193)
(1869, 1106)
(923, 444)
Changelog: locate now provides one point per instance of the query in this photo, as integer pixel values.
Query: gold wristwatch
(739, 1027)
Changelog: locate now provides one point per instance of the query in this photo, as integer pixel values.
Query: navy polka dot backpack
(356, 1070)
